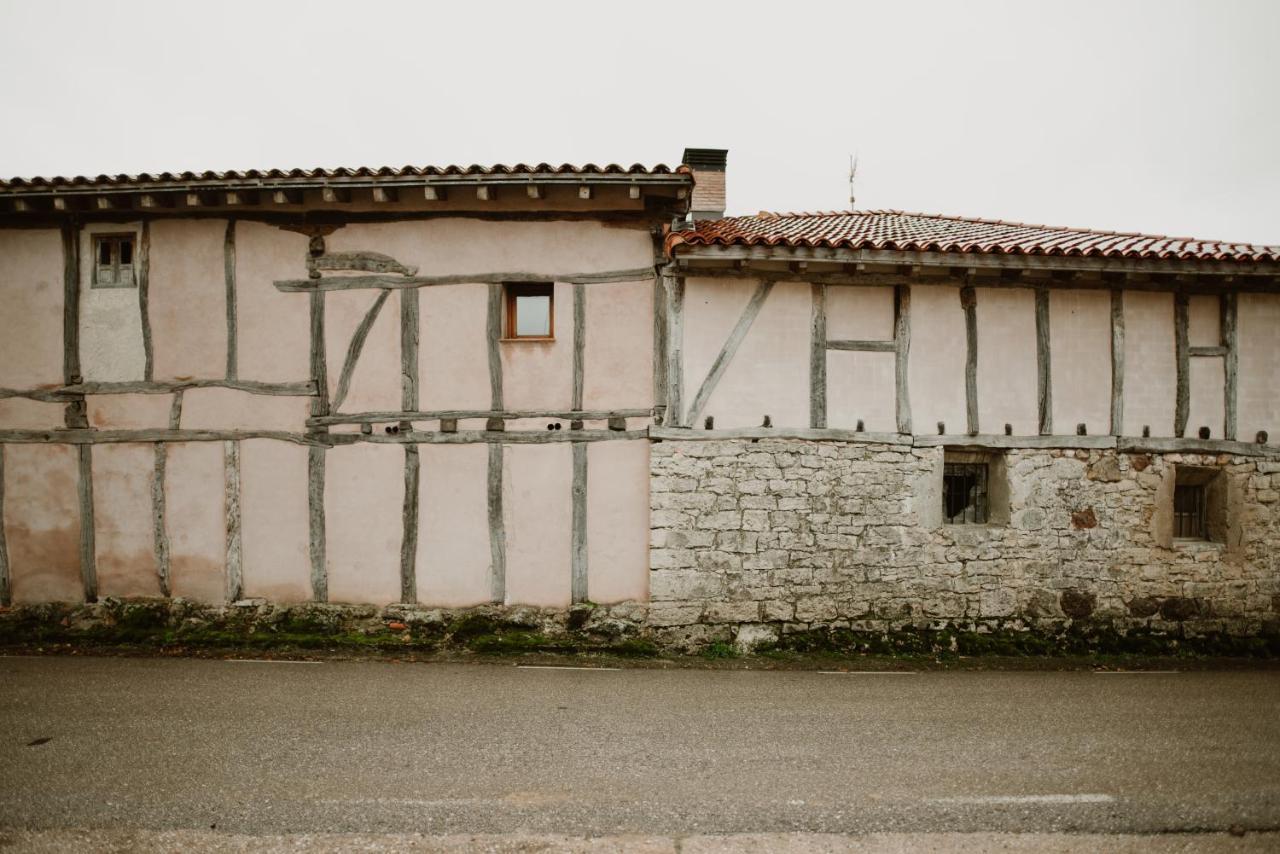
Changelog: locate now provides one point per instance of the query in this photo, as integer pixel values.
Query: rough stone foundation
(757, 539)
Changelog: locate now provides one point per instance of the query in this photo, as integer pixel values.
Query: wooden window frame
(512, 291)
(116, 239)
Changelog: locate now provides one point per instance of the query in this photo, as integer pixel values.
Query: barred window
(965, 497)
(1190, 512)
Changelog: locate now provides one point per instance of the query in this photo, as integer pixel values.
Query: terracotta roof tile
(918, 232)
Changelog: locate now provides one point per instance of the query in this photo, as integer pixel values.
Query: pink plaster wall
(275, 532)
(1006, 361)
(42, 522)
(128, 411)
(539, 374)
(187, 298)
(1258, 368)
(453, 560)
(859, 313)
(20, 413)
(273, 328)
(124, 532)
(375, 382)
(453, 350)
(1207, 404)
(364, 495)
(770, 373)
(1203, 325)
(537, 515)
(195, 517)
(618, 353)
(861, 385)
(1080, 360)
(31, 303)
(229, 409)
(1151, 366)
(617, 521)
(935, 363)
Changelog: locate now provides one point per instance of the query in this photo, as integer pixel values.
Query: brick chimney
(708, 181)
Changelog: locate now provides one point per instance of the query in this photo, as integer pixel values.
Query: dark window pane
(126, 251)
(104, 253)
(964, 493)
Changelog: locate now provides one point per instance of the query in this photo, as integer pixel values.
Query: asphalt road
(383, 748)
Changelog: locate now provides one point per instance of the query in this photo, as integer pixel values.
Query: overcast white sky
(1155, 116)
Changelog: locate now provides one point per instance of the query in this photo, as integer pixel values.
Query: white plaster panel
(1080, 360)
(31, 291)
(618, 355)
(1203, 325)
(187, 298)
(1207, 404)
(861, 385)
(935, 363)
(770, 373)
(272, 328)
(195, 516)
(124, 531)
(1150, 363)
(375, 382)
(110, 318)
(42, 522)
(539, 374)
(128, 411)
(18, 413)
(275, 528)
(617, 521)
(859, 313)
(1006, 361)
(363, 495)
(453, 349)
(1258, 367)
(230, 409)
(537, 516)
(453, 561)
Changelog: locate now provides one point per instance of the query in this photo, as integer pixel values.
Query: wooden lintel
(335, 194)
(343, 283)
(386, 194)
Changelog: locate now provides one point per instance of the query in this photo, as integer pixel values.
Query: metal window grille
(1190, 512)
(964, 493)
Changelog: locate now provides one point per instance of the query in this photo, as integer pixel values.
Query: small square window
(530, 311)
(113, 261)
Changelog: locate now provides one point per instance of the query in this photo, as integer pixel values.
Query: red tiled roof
(286, 175)
(917, 232)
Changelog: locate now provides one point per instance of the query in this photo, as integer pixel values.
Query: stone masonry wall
(753, 539)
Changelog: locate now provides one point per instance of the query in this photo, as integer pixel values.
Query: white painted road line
(1025, 799)
(561, 667)
(270, 661)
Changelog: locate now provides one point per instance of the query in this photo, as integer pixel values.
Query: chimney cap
(707, 159)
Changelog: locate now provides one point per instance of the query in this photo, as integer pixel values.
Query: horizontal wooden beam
(97, 437)
(867, 346)
(46, 395)
(459, 414)
(1206, 351)
(805, 433)
(499, 437)
(1195, 446)
(1000, 441)
(297, 389)
(345, 283)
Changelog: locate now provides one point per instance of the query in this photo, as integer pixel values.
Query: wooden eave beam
(335, 195)
(486, 192)
(241, 197)
(151, 201)
(432, 193)
(382, 195)
(282, 196)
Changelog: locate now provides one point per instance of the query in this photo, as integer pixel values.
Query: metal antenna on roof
(853, 174)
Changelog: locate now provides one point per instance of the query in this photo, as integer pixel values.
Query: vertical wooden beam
(229, 271)
(579, 341)
(409, 541)
(1182, 352)
(74, 415)
(818, 356)
(497, 528)
(673, 289)
(1044, 373)
(1117, 362)
(319, 362)
(494, 334)
(159, 501)
(235, 565)
(6, 589)
(659, 325)
(144, 299)
(315, 508)
(729, 350)
(578, 547)
(88, 550)
(902, 353)
(969, 302)
(409, 332)
(1230, 362)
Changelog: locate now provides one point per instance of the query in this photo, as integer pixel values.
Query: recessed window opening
(1199, 504)
(965, 498)
(530, 311)
(113, 261)
(1190, 512)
